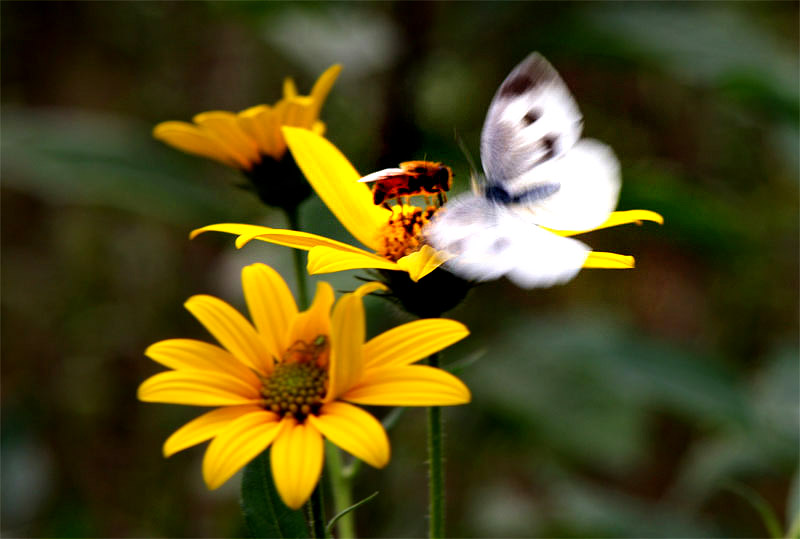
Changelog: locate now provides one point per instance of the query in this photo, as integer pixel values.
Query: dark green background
(622, 404)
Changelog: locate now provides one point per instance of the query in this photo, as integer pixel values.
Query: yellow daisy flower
(252, 140)
(241, 140)
(292, 378)
(384, 231)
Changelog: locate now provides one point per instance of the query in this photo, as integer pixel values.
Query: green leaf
(264, 512)
(343, 512)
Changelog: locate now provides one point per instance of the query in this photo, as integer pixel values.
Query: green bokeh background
(626, 403)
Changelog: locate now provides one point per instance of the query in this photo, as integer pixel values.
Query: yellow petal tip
(609, 261)
(241, 241)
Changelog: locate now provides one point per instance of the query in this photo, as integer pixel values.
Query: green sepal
(264, 512)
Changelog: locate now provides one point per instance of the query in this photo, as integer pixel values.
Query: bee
(412, 178)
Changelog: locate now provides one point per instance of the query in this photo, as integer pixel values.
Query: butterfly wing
(532, 119)
(588, 183)
(538, 175)
(488, 241)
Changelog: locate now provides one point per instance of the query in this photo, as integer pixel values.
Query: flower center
(402, 235)
(298, 384)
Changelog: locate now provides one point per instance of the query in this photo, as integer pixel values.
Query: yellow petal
(197, 388)
(336, 182)
(318, 128)
(227, 128)
(296, 459)
(236, 229)
(411, 342)
(422, 262)
(205, 427)
(325, 259)
(323, 87)
(348, 328)
(315, 321)
(232, 330)
(239, 443)
(272, 307)
(192, 355)
(289, 88)
(296, 239)
(287, 238)
(355, 431)
(298, 112)
(191, 139)
(369, 288)
(409, 385)
(619, 218)
(280, 116)
(260, 123)
(608, 261)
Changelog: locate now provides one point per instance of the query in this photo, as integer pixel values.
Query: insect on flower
(542, 184)
(412, 178)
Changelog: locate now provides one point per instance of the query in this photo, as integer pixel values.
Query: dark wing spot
(531, 72)
(549, 142)
(499, 245)
(456, 248)
(531, 116)
(517, 85)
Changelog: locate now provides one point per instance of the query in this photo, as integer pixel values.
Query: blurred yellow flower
(290, 379)
(336, 182)
(243, 139)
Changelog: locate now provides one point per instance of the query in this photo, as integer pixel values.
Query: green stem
(316, 513)
(436, 467)
(293, 216)
(341, 489)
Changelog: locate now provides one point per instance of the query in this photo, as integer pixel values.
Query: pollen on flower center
(298, 384)
(402, 235)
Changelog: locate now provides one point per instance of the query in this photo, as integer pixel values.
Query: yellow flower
(378, 228)
(243, 139)
(290, 379)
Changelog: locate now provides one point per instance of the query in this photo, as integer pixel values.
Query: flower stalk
(293, 216)
(435, 466)
(316, 510)
(342, 492)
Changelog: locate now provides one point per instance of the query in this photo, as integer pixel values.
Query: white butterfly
(540, 175)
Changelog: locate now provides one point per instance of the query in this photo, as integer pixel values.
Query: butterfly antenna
(473, 170)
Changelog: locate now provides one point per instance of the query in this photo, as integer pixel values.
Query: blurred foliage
(619, 405)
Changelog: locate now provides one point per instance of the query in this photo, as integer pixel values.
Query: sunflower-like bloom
(252, 140)
(292, 378)
(386, 232)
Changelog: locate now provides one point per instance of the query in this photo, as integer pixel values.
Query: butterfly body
(540, 175)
